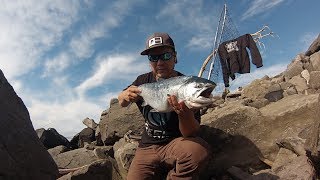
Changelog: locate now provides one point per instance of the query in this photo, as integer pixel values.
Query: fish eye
(199, 85)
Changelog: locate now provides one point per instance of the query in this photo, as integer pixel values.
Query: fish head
(196, 92)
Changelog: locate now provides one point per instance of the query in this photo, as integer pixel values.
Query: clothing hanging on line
(234, 57)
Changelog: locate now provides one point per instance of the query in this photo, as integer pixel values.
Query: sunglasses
(164, 57)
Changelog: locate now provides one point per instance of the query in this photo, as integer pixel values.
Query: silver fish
(193, 90)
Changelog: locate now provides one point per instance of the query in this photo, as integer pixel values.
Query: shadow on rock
(228, 151)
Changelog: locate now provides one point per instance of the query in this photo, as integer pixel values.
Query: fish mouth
(206, 93)
(204, 97)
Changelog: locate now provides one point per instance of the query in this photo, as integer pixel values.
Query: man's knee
(196, 150)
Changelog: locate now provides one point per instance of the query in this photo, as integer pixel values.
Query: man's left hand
(179, 107)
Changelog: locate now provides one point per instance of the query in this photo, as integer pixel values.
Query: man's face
(161, 67)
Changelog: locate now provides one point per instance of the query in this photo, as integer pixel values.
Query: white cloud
(244, 79)
(307, 39)
(200, 41)
(29, 29)
(260, 6)
(57, 64)
(66, 118)
(113, 67)
(82, 46)
(189, 15)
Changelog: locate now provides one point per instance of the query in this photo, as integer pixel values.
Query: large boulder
(99, 170)
(22, 154)
(50, 138)
(314, 47)
(123, 153)
(299, 83)
(314, 80)
(75, 158)
(295, 67)
(281, 119)
(118, 121)
(315, 61)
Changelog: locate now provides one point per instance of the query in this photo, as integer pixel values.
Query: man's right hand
(131, 94)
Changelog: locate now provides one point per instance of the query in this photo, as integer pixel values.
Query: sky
(67, 59)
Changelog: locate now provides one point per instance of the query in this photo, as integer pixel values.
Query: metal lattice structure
(226, 30)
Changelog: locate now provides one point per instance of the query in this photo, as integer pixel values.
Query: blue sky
(67, 59)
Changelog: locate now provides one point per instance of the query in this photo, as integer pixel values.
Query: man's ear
(175, 57)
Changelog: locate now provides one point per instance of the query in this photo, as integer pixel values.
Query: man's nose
(160, 61)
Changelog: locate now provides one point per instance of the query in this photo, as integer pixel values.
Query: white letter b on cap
(155, 41)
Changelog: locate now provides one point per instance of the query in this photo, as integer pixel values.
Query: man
(169, 140)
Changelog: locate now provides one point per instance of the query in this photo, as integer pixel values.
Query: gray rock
(124, 153)
(257, 89)
(290, 91)
(299, 168)
(99, 170)
(118, 121)
(90, 123)
(294, 68)
(314, 47)
(75, 158)
(22, 154)
(299, 83)
(57, 150)
(315, 80)
(315, 61)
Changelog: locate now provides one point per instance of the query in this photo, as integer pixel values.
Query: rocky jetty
(268, 129)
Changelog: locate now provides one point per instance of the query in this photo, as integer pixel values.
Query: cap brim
(145, 52)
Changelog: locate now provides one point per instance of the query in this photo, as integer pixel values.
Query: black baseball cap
(158, 39)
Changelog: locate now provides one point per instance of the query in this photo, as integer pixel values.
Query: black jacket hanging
(234, 57)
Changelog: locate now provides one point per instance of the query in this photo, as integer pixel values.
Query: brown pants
(181, 159)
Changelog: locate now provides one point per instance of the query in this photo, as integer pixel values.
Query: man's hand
(179, 107)
(188, 125)
(131, 94)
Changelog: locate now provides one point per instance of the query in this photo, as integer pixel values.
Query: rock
(287, 118)
(315, 80)
(282, 158)
(300, 168)
(86, 136)
(235, 118)
(290, 91)
(257, 103)
(257, 89)
(57, 150)
(294, 68)
(51, 138)
(103, 152)
(22, 154)
(278, 79)
(75, 158)
(104, 169)
(90, 123)
(118, 121)
(299, 83)
(124, 153)
(306, 75)
(314, 47)
(315, 61)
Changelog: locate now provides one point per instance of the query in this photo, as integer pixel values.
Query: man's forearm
(188, 125)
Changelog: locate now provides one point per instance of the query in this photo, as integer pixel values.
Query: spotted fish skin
(194, 91)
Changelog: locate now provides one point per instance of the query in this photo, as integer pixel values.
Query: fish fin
(188, 104)
(153, 110)
(144, 104)
(129, 105)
